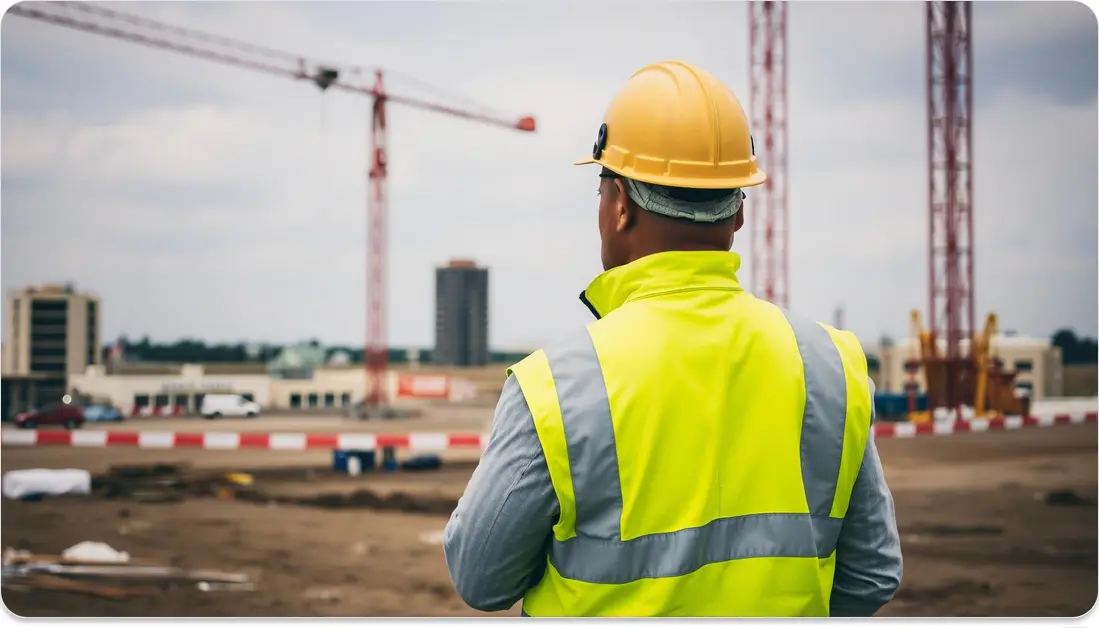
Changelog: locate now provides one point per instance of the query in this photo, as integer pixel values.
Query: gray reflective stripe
(684, 551)
(589, 433)
(825, 413)
(598, 555)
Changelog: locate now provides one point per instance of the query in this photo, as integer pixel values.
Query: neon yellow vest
(703, 446)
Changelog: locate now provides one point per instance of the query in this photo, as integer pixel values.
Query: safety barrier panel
(943, 428)
(291, 441)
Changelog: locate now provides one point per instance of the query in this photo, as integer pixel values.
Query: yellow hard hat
(677, 125)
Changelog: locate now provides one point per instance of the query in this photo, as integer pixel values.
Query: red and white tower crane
(102, 21)
(950, 187)
(769, 218)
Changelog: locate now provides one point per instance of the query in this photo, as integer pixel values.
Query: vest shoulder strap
(536, 381)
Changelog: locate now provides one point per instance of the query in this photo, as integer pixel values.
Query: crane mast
(950, 193)
(767, 87)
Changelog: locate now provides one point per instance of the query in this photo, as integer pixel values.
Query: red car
(67, 415)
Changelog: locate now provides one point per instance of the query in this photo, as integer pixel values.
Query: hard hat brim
(756, 178)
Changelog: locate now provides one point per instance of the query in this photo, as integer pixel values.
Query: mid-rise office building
(461, 315)
(51, 332)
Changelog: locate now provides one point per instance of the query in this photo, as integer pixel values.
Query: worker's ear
(738, 219)
(625, 212)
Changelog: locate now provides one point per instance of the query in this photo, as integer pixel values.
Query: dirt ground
(978, 537)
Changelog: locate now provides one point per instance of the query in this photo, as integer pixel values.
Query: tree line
(1074, 350)
(194, 351)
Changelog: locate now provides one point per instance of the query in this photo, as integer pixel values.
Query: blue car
(101, 413)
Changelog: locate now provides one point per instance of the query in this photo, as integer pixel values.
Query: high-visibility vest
(702, 443)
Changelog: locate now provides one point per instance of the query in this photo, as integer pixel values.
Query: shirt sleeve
(868, 554)
(496, 541)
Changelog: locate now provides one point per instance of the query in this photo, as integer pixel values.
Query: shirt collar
(661, 273)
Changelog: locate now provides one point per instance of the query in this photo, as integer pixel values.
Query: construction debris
(166, 483)
(46, 582)
(99, 570)
(1066, 497)
(432, 538)
(39, 483)
(92, 551)
(207, 587)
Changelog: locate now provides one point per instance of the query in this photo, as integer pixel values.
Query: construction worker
(694, 450)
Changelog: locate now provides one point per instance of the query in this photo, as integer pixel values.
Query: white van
(215, 406)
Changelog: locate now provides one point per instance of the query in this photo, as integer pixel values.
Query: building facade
(461, 315)
(1037, 364)
(51, 333)
(146, 389)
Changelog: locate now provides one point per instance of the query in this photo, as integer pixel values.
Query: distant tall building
(461, 315)
(51, 333)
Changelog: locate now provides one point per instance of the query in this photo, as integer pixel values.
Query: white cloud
(202, 200)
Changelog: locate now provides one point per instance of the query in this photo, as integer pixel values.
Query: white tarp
(19, 484)
(95, 552)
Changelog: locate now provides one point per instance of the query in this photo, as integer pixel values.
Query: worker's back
(700, 455)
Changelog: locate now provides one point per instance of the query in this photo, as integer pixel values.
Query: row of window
(313, 400)
(194, 401)
(1027, 386)
(187, 402)
(92, 339)
(1021, 366)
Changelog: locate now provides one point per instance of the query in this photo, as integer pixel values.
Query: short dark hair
(695, 195)
(687, 195)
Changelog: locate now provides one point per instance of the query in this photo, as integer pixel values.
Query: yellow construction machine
(979, 379)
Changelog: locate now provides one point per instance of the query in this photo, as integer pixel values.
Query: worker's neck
(645, 251)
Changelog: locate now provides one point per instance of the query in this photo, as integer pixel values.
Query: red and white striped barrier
(290, 441)
(943, 428)
(275, 441)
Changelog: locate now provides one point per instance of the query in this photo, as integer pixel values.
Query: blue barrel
(389, 459)
(341, 456)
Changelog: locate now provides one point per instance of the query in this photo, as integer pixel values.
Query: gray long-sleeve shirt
(496, 541)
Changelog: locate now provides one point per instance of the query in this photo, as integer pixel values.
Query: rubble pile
(98, 570)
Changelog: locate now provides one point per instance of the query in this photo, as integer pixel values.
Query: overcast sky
(206, 201)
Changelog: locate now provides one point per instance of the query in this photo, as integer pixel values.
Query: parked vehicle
(97, 413)
(63, 414)
(216, 406)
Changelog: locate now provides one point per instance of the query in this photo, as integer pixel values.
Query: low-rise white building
(179, 389)
(1036, 362)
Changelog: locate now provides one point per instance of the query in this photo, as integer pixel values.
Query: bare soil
(979, 537)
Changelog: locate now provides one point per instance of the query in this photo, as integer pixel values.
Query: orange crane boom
(135, 29)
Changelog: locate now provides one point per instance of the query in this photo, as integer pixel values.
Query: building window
(140, 401)
(312, 400)
(295, 400)
(161, 401)
(345, 399)
(329, 400)
(92, 337)
(1024, 366)
(180, 401)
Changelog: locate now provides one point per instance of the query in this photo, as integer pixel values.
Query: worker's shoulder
(845, 340)
(803, 325)
(573, 343)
